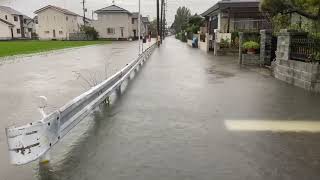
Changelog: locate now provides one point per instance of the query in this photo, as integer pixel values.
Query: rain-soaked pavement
(170, 123)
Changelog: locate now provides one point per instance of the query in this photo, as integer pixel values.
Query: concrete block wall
(251, 59)
(302, 74)
(189, 42)
(243, 37)
(204, 45)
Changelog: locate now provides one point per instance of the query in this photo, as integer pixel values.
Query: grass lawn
(9, 48)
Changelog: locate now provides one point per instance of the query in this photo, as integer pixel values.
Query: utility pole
(161, 22)
(158, 21)
(139, 27)
(92, 14)
(164, 19)
(84, 12)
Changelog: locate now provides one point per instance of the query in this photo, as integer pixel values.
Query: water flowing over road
(189, 115)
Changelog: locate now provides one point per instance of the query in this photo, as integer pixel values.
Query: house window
(132, 21)
(60, 32)
(6, 17)
(67, 18)
(25, 21)
(18, 31)
(15, 18)
(110, 30)
(47, 32)
(30, 29)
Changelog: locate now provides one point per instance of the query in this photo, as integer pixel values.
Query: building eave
(222, 5)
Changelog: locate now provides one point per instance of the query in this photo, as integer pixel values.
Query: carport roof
(10, 10)
(224, 4)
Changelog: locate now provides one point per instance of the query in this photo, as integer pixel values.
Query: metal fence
(32, 141)
(305, 49)
(79, 37)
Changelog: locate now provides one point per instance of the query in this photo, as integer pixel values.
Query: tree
(194, 23)
(90, 32)
(153, 28)
(307, 8)
(181, 19)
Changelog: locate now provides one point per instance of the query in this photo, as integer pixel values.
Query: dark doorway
(121, 32)
(274, 43)
(135, 34)
(11, 33)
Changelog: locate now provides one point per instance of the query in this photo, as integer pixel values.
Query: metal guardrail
(31, 142)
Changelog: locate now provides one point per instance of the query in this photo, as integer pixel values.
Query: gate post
(240, 47)
(265, 46)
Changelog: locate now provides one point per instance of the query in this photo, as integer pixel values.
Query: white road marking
(273, 125)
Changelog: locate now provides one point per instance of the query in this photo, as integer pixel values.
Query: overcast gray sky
(148, 7)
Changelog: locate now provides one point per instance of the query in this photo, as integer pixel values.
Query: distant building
(113, 22)
(135, 19)
(14, 25)
(235, 15)
(146, 24)
(56, 23)
(228, 16)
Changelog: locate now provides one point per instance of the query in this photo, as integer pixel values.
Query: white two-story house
(113, 22)
(56, 23)
(146, 25)
(135, 22)
(14, 24)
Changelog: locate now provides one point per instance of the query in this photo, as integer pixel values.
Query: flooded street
(60, 76)
(185, 115)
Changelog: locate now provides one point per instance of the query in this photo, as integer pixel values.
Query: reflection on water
(86, 136)
(84, 146)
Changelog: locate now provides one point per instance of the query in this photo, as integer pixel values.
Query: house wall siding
(51, 20)
(5, 31)
(10, 19)
(116, 21)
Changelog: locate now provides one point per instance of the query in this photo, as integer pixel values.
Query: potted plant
(251, 47)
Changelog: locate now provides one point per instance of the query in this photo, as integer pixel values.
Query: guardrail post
(45, 158)
(118, 91)
(43, 101)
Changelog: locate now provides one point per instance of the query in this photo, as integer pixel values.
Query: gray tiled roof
(10, 10)
(112, 9)
(64, 11)
(135, 15)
